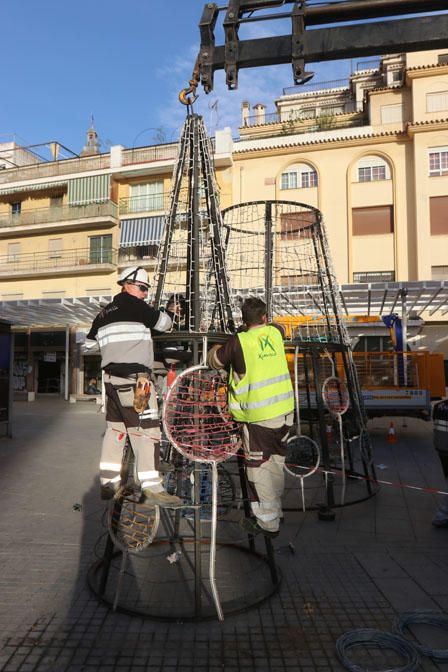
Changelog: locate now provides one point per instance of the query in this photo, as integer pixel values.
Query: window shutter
(373, 221)
(438, 206)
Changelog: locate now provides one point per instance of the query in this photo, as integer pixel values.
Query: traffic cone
(171, 377)
(391, 434)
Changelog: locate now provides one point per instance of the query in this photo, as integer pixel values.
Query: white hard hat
(133, 274)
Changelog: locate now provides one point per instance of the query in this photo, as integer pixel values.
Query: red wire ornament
(335, 395)
(196, 418)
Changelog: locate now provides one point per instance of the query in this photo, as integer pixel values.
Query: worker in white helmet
(123, 333)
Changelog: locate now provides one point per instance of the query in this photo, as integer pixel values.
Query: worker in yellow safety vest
(261, 398)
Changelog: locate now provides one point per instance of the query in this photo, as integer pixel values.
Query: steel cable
(424, 617)
(386, 640)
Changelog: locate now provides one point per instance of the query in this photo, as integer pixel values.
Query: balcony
(92, 214)
(140, 204)
(81, 261)
(55, 168)
(296, 123)
(150, 154)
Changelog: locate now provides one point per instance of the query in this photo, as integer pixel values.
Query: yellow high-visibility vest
(265, 391)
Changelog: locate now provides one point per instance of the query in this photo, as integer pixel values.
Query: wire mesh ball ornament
(335, 395)
(132, 526)
(302, 456)
(196, 417)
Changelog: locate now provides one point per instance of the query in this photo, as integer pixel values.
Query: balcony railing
(59, 214)
(55, 168)
(297, 124)
(150, 154)
(317, 86)
(150, 203)
(34, 262)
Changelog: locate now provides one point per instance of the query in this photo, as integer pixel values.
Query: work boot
(161, 499)
(251, 525)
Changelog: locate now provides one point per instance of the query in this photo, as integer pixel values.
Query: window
(373, 169)
(438, 161)
(56, 201)
(309, 113)
(301, 176)
(16, 208)
(396, 76)
(309, 179)
(371, 173)
(13, 252)
(439, 272)
(374, 344)
(438, 211)
(437, 102)
(101, 249)
(442, 59)
(289, 181)
(391, 114)
(373, 221)
(146, 197)
(55, 248)
(374, 276)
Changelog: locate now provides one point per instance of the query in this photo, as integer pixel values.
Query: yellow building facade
(371, 153)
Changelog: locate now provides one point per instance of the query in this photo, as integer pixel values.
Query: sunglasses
(142, 288)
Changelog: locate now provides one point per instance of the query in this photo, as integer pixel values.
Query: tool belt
(135, 395)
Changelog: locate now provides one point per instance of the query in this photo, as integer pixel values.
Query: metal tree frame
(278, 250)
(192, 264)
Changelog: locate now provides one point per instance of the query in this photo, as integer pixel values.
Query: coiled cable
(426, 617)
(386, 640)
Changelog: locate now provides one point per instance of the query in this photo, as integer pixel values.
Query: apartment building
(68, 226)
(370, 152)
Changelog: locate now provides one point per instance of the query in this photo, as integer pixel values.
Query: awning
(141, 231)
(93, 189)
(52, 312)
(25, 188)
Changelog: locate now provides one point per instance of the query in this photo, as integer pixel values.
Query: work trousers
(142, 429)
(264, 450)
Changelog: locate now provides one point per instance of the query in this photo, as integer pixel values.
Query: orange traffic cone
(391, 434)
(171, 377)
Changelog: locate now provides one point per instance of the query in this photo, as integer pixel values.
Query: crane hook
(184, 96)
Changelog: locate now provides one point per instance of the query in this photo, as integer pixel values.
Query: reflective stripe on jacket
(265, 391)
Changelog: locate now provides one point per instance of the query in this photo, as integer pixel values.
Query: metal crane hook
(184, 96)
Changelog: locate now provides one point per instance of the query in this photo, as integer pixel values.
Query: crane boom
(302, 45)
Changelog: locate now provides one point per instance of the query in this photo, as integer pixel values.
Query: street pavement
(377, 559)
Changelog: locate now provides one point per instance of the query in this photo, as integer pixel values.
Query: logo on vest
(266, 347)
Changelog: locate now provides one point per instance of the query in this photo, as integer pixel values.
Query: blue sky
(123, 62)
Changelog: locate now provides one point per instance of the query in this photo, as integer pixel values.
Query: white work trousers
(144, 439)
(269, 482)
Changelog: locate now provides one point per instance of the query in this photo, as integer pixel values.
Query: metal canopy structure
(383, 297)
(51, 313)
(377, 298)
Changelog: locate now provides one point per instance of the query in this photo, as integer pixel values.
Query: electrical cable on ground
(424, 617)
(386, 640)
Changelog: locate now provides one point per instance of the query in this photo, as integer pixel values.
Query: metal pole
(213, 542)
(67, 349)
(268, 258)
(404, 326)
